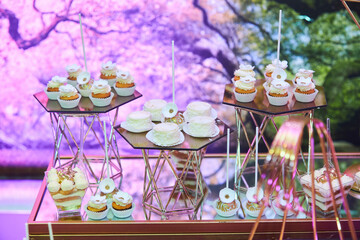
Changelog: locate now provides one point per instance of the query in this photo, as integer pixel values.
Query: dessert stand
(88, 114)
(261, 109)
(177, 198)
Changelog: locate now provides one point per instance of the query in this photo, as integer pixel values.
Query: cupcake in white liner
(101, 94)
(243, 71)
(305, 90)
(280, 203)
(84, 84)
(52, 88)
(124, 85)
(269, 70)
(305, 74)
(252, 205)
(108, 72)
(122, 206)
(97, 207)
(69, 97)
(73, 71)
(245, 90)
(227, 205)
(278, 93)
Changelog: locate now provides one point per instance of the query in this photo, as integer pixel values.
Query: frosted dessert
(124, 79)
(138, 121)
(245, 90)
(280, 202)
(166, 134)
(278, 93)
(305, 90)
(101, 94)
(73, 71)
(201, 126)
(154, 107)
(84, 84)
(67, 187)
(323, 191)
(243, 71)
(68, 97)
(305, 74)
(52, 88)
(254, 202)
(227, 204)
(197, 108)
(97, 207)
(122, 205)
(108, 71)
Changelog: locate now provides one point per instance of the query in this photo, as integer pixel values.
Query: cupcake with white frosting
(305, 90)
(278, 93)
(52, 88)
(124, 85)
(73, 71)
(245, 90)
(108, 72)
(122, 206)
(305, 74)
(97, 207)
(101, 94)
(69, 97)
(243, 71)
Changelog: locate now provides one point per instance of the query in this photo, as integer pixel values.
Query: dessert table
(262, 114)
(87, 113)
(176, 198)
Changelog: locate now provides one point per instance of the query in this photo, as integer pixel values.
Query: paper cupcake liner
(123, 213)
(228, 213)
(84, 93)
(52, 95)
(101, 102)
(69, 103)
(96, 215)
(124, 92)
(111, 82)
(253, 214)
(72, 82)
(245, 97)
(277, 101)
(281, 212)
(305, 98)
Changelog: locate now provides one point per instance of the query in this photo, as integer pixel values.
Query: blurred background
(39, 38)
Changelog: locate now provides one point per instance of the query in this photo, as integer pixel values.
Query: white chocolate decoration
(227, 195)
(100, 86)
(72, 68)
(251, 194)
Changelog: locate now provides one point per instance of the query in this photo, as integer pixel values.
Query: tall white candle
(279, 36)
(227, 157)
(106, 151)
(256, 155)
(173, 70)
(82, 39)
(50, 231)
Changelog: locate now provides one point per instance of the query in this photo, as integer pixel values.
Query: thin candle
(82, 39)
(227, 157)
(256, 155)
(50, 231)
(106, 151)
(173, 71)
(279, 36)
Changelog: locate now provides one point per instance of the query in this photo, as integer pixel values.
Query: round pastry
(100, 89)
(73, 71)
(202, 126)
(154, 107)
(243, 71)
(108, 71)
(54, 84)
(124, 79)
(139, 120)
(198, 108)
(227, 204)
(305, 74)
(166, 134)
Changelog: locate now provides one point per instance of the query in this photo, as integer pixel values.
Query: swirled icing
(53, 186)
(305, 84)
(67, 185)
(108, 68)
(279, 87)
(124, 77)
(246, 83)
(122, 198)
(100, 86)
(245, 70)
(97, 201)
(56, 82)
(67, 91)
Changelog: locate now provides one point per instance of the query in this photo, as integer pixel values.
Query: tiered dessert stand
(262, 114)
(88, 114)
(177, 198)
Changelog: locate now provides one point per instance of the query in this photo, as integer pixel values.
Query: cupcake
(305, 90)
(101, 94)
(269, 70)
(245, 90)
(278, 93)
(124, 85)
(84, 84)
(52, 89)
(97, 207)
(305, 74)
(73, 72)
(243, 71)
(254, 202)
(69, 97)
(122, 205)
(108, 72)
(227, 204)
